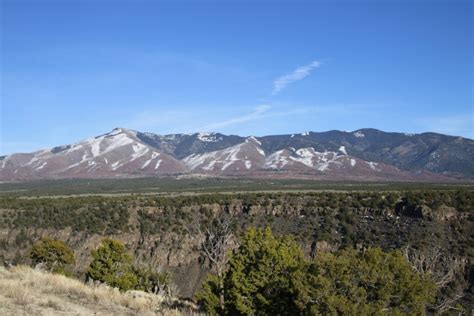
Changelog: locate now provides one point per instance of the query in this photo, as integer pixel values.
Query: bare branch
(442, 268)
(218, 236)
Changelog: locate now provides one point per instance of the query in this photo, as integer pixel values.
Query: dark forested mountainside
(433, 228)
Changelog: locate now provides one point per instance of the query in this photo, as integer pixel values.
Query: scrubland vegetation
(265, 275)
(354, 252)
(176, 185)
(271, 276)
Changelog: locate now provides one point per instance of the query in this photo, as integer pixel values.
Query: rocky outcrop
(411, 210)
(446, 213)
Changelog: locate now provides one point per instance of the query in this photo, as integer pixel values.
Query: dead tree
(218, 236)
(442, 268)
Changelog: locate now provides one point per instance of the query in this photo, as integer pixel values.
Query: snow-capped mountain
(245, 156)
(365, 154)
(117, 153)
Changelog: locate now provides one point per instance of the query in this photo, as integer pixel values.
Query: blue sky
(76, 69)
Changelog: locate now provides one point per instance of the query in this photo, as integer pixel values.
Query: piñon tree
(362, 283)
(113, 265)
(54, 254)
(258, 280)
(209, 296)
(151, 280)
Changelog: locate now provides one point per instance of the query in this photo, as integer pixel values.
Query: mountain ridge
(363, 154)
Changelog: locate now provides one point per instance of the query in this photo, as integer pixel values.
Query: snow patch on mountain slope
(117, 165)
(208, 137)
(223, 158)
(359, 134)
(83, 159)
(153, 156)
(252, 138)
(169, 137)
(91, 165)
(373, 165)
(276, 160)
(95, 148)
(304, 156)
(231, 157)
(146, 163)
(322, 161)
(41, 166)
(195, 160)
(117, 141)
(138, 151)
(158, 163)
(33, 160)
(103, 144)
(342, 149)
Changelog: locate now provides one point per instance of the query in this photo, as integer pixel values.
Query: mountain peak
(118, 130)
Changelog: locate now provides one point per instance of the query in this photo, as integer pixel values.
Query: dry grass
(24, 291)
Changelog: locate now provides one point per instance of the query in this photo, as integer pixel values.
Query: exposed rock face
(416, 211)
(446, 213)
(324, 246)
(365, 154)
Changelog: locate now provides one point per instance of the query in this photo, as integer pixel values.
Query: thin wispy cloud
(257, 113)
(190, 120)
(264, 112)
(298, 74)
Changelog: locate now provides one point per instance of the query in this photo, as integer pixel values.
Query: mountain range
(361, 155)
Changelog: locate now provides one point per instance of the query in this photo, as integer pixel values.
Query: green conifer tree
(113, 265)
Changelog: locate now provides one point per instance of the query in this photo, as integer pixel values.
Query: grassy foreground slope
(25, 291)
